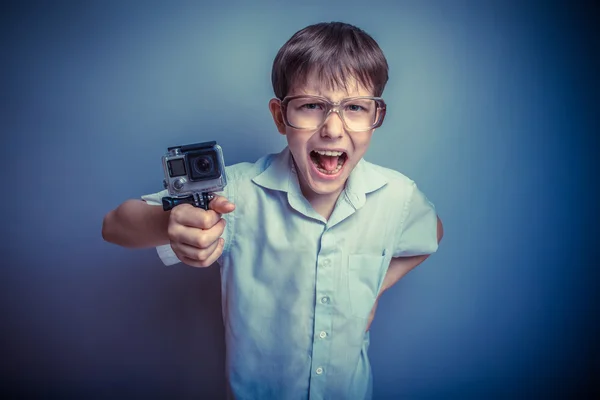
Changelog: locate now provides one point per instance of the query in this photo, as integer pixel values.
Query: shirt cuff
(165, 252)
(167, 255)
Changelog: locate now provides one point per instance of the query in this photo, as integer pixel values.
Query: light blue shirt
(297, 290)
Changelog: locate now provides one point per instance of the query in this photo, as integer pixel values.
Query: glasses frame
(335, 107)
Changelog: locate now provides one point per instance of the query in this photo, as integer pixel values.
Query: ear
(276, 112)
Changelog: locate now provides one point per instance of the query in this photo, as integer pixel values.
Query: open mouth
(328, 162)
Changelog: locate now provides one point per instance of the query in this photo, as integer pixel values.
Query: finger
(211, 235)
(192, 263)
(207, 262)
(188, 215)
(221, 205)
(216, 253)
(194, 253)
(200, 238)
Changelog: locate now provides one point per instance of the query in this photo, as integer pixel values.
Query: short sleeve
(165, 252)
(418, 226)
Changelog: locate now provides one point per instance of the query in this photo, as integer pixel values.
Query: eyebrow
(329, 99)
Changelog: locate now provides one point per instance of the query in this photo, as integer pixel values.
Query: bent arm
(136, 224)
(403, 265)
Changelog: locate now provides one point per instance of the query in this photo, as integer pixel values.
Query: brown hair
(336, 51)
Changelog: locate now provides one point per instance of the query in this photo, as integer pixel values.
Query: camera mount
(199, 200)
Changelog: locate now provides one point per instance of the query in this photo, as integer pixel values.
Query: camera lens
(204, 165)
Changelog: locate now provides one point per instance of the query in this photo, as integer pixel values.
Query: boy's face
(318, 173)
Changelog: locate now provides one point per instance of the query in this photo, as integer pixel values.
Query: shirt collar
(281, 175)
(364, 179)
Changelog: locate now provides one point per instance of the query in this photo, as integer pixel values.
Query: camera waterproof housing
(192, 173)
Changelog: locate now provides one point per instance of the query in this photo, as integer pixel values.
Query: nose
(333, 126)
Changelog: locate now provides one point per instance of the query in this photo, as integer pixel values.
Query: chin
(323, 186)
(327, 189)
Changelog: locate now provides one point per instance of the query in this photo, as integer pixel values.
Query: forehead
(329, 88)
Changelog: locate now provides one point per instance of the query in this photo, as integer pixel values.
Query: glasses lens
(306, 112)
(310, 113)
(360, 114)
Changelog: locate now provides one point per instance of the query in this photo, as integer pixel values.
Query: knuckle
(202, 241)
(173, 214)
(178, 212)
(200, 255)
(205, 220)
(203, 263)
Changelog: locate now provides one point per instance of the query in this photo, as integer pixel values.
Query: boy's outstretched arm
(136, 224)
(401, 266)
(193, 233)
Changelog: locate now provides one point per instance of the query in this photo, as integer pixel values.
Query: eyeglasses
(358, 114)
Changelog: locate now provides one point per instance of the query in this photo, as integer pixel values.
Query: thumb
(221, 205)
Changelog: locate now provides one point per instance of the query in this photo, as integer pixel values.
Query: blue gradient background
(492, 110)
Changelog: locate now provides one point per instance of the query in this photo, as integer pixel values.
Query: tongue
(329, 163)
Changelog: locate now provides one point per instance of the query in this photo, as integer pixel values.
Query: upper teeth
(329, 153)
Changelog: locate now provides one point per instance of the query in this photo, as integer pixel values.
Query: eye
(312, 106)
(354, 107)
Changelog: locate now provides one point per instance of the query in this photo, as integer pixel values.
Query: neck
(323, 204)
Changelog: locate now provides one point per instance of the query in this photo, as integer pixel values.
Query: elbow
(112, 232)
(107, 228)
(112, 229)
(128, 226)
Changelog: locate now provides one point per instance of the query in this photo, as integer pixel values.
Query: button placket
(325, 286)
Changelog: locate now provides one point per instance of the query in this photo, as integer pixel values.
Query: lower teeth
(337, 169)
(332, 172)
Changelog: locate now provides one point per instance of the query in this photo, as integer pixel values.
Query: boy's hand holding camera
(195, 234)
(192, 173)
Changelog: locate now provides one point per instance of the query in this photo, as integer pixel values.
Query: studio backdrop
(489, 110)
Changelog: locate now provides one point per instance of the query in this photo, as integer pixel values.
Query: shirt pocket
(365, 276)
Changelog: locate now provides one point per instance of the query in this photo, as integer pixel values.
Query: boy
(316, 233)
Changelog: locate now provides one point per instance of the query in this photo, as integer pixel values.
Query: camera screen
(176, 167)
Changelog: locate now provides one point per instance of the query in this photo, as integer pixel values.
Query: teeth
(335, 171)
(329, 153)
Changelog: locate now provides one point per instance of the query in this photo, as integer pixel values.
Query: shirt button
(319, 371)
(325, 300)
(326, 263)
(323, 334)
